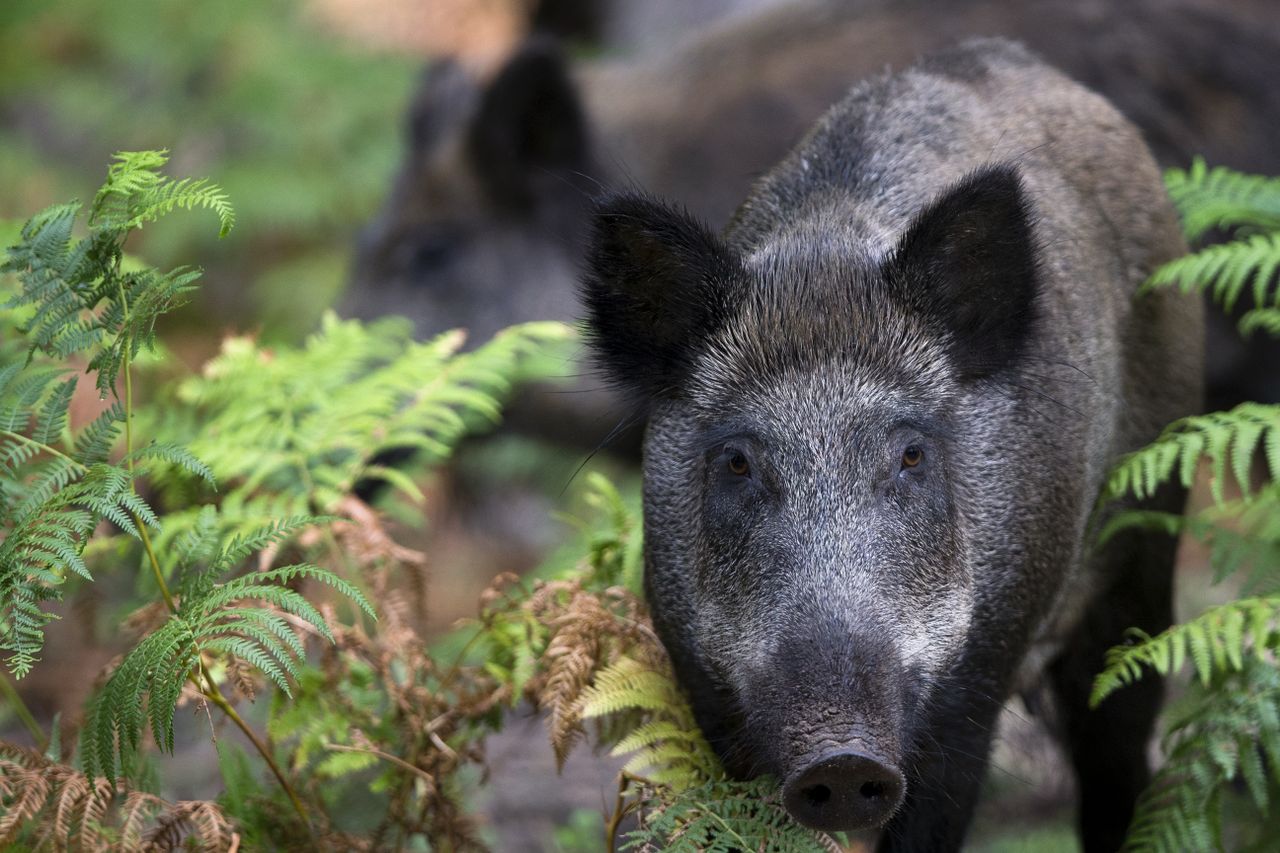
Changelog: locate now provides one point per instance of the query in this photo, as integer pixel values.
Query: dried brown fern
(589, 632)
(50, 806)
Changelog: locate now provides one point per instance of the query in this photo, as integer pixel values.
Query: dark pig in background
(486, 219)
(881, 407)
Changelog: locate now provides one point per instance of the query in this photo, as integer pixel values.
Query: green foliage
(136, 193)
(1222, 439)
(79, 306)
(305, 424)
(1225, 270)
(1226, 732)
(684, 801)
(1223, 734)
(84, 301)
(669, 748)
(1247, 205)
(1216, 641)
(1219, 198)
(301, 126)
(723, 817)
(241, 618)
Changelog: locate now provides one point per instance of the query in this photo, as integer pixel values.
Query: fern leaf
(1216, 641)
(175, 455)
(1223, 438)
(1221, 198)
(95, 441)
(1264, 319)
(274, 533)
(726, 816)
(629, 685)
(1225, 270)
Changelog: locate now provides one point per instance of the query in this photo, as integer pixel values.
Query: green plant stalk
(214, 695)
(621, 809)
(210, 687)
(128, 450)
(20, 708)
(43, 448)
(385, 756)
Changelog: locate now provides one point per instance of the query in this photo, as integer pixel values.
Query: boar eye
(737, 463)
(912, 456)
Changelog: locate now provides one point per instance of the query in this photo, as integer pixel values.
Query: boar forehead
(822, 325)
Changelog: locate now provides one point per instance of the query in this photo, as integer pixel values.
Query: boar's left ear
(529, 132)
(656, 284)
(968, 262)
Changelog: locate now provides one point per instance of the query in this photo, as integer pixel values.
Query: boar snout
(830, 709)
(844, 790)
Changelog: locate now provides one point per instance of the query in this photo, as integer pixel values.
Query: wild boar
(880, 410)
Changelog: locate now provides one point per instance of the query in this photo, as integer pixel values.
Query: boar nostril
(844, 791)
(817, 795)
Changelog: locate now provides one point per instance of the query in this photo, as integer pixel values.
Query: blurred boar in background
(486, 219)
(881, 407)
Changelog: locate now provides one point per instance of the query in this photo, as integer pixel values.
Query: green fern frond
(1222, 438)
(1225, 270)
(669, 748)
(95, 441)
(1221, 198)
(1226, 733)
(1216, 641)
(310, 422)
(726, 817)
(273, 533)
(136, 193)
(629, 685)
(213, 618)
(175, 455)
(21, 395)
(1242, 535)
(1218, 738)
(1261, 319)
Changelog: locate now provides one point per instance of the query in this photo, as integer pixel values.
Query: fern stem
(24, 714)
(155, 564)
(214, 695)
(210, 691)
(128, 455)
(385, 756)
(41, 446)
(620, 809)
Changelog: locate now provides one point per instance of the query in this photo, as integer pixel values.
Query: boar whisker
(1048, 397)
(1058, 363)
(621, 427)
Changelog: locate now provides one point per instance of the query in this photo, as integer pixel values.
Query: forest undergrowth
(269, 597)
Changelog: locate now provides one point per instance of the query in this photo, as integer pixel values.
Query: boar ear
(968, 261)
(529, 128)
(656, 283)
(444, 91)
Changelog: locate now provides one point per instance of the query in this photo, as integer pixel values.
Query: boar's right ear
(968, 263)
(656, 284)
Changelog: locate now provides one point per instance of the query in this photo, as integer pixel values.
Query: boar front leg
(1108, 745)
